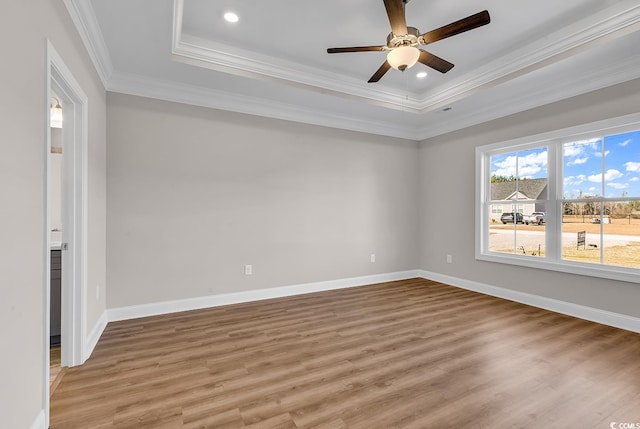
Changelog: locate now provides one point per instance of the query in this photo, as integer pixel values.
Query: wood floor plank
(406, 354)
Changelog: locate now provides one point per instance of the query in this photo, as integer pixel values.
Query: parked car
(536, 218)
(509, 216)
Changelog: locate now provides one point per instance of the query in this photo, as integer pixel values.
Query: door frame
(60, 80)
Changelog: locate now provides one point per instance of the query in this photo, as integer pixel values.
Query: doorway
(72, 235)
(54, 213)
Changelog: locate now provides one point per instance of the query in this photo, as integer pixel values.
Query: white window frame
(553, 242)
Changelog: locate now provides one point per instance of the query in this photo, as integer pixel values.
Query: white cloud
(598, 154)
(571, 149)
(526, 166)
(574, 180)
(632, 166)
(577, 147)
(634, 179)
(578, 161)
(532, 164)
(578, 150)
(612, 174)
(609, 175)
(593, 189)
(616, 185)
(506, 167)
(624, 143)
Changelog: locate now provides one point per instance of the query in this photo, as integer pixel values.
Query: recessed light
(231, 17)
(421, 75)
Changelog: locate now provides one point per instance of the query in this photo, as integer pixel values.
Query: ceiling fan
(403, 41)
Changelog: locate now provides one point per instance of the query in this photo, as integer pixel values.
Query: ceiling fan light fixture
(403, 57)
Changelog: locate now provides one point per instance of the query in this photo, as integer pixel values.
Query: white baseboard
(92, 340)
(39, 422)
(604, 317)
(145, 310)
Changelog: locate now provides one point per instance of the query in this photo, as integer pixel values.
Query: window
(568, 200)
(518, 188)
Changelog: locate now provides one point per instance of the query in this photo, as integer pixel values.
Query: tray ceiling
(273, 61)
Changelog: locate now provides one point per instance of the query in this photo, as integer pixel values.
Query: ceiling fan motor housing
(412, 38)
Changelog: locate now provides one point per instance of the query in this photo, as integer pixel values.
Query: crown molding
(549, 92)
(85, 21)
(208, 54)
(610, 73)
(216, 99)
(615, 21)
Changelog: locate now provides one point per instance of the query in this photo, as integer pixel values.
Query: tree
(500, 179)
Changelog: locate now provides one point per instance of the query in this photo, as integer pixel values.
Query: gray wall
(24, 27)
(195, 193)
(447, 187)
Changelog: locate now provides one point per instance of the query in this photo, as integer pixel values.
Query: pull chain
(406, 87)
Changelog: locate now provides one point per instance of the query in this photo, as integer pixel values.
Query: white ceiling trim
(598, 78)
(205, 97)
(614, 21)
(193, 51)
(206, 53)
(84, 18)
(553, 91)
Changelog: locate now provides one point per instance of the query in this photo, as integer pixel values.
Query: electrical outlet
(372, 257)
(248, 270)
(449, 259)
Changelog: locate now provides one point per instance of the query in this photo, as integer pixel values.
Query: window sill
(600, 271)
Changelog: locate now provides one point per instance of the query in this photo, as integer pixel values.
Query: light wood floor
(56, 372)
(408, 354)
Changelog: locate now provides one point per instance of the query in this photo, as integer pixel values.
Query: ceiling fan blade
(355, 49)
(465, 24)
(381, 71)
(395, 12)
(436, 63)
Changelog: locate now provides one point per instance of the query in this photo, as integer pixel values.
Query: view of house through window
(563, 201)
(518, 202)
(601, 200)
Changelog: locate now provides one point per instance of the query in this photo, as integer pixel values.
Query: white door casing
(74, 217)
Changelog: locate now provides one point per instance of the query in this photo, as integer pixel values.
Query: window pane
(520, 238)
(621, 234)
(519, 176)
(582, 164)
(501, 232)
(581, 232)
(503, 176)
(531, 235)
(622, 165)
(532, 163)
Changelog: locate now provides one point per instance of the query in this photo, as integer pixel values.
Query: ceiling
(273, 61)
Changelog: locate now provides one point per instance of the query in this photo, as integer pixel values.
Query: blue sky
(583, 166)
